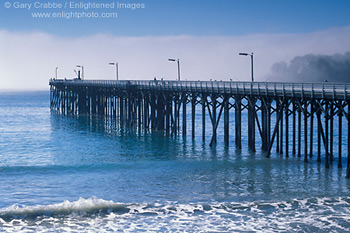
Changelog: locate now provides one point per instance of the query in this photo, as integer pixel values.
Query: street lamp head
(171, 59)
(78, 66)
(243, 54)
(112, 63)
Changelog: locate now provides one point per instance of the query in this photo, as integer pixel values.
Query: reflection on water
(201, 172)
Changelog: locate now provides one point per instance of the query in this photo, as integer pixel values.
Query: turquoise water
(69, 174)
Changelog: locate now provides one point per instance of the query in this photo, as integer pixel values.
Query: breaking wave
(83, 207)
(93, 214)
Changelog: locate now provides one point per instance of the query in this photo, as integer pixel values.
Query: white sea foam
(98, 215)
(90, 205)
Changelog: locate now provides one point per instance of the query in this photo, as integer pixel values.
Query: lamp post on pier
(56, 72)
(178, 66)
(251, 62)
(82, 71)
(116, 69)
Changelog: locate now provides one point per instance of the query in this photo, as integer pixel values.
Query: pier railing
(340, 91)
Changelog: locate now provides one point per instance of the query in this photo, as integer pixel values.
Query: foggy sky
(28, 59)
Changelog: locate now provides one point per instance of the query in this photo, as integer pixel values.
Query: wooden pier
(310, 110)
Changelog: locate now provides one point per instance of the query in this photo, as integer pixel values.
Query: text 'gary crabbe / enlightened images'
(72, 9)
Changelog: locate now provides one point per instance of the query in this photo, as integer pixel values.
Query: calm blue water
(65, 174)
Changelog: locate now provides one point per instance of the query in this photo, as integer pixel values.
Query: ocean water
(77, 174)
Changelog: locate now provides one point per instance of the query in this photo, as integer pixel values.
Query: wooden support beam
(279, 117)
(268, 125)
(203, 101)
(238, 120)
(322, 133)
(287, 128)
(226, 119)
(251, 122)
(318, 115)
(265, 120)
(178, 113)
(145, 111)
(153, 112)
(299, 129)
(278, 130)
(327, 134)
(168, 106)
(129, 110)
(348, 161)
(216, 122)
(331, 118)
(160, 112)
(340, 115)
(176, 107)
(312, 112)
(139, 117)
(184, 114)
(294, 128)
(213, 119)
(193, 105)
(264, 125)
(258, 124)
(281, 133)
(305, 132)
